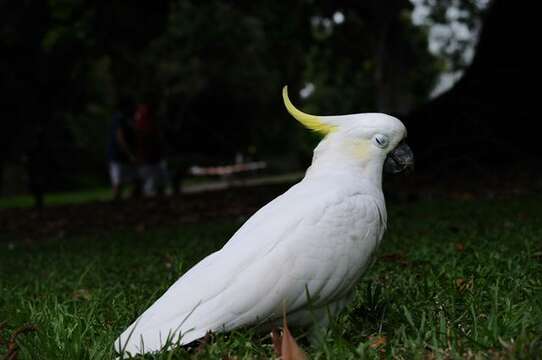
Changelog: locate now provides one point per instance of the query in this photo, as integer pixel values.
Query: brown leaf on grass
(276, 338)
(285, 345)
(203, 342)
(399, 258)
(460, 247)
(377, 341)
(462, 284)
(290, 349)
(429, 355)
(12, 346)
(81, 294)
(168, 261)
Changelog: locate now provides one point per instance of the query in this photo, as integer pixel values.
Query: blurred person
(152, 166)
(121, 155)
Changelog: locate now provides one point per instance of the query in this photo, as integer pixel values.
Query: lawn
(453, 279)
(61, 198)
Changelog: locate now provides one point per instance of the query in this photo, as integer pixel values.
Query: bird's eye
(381, 141)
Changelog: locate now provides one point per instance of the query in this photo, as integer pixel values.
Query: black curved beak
(399, 159)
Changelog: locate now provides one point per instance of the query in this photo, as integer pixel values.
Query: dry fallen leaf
(377, 342)
(399, 258)
(81, 294)
(290, 349)
(168, 261)
(285, 345)
(429, 355)
(276, 338)
(462, 284)
(12, 346)
(203, 342)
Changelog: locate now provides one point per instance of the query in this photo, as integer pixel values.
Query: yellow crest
(310, 121)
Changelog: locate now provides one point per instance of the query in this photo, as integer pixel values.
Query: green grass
(61, 198)
(94, 194)
(459, 279)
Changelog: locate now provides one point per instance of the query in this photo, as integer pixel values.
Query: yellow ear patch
(360, 149)
(310, 121)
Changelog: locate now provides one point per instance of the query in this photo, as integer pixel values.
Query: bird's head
(361, 136)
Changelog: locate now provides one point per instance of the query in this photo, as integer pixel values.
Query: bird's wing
(272, 259)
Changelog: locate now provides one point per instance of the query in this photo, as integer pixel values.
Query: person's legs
(147, 179)
(164, 175)
(131, 176)
(154, 178)
(163, 178)
(115, 173)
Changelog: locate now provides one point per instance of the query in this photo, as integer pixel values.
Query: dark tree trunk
(488, 118)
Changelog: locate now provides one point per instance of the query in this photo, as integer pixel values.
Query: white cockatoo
(303, 252)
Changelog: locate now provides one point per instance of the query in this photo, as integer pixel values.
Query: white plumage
(316, 239)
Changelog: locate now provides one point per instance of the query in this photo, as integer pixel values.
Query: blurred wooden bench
(227, 170)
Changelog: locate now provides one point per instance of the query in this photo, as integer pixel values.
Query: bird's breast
(339, 247)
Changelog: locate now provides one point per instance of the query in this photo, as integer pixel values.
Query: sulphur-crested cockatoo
(303, 252)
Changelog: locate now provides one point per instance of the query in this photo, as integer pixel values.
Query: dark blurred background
(459, 73)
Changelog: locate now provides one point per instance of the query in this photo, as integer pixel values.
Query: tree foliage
(213, 71)
(485, 122)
